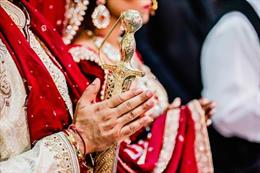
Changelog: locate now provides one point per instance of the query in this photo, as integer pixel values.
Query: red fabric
(52, 10)
(46, 110)
(188, 161)
(179, 145)
(91, 70)
(155, 142)
(183, 157)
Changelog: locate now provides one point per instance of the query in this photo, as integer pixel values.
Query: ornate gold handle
(119, 78)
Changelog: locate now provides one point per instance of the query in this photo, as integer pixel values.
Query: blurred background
(211, 48)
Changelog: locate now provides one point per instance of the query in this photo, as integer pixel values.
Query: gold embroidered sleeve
(52, 154)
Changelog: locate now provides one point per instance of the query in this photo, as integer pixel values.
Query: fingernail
(95, 81)
(149, 93)
(178, 99)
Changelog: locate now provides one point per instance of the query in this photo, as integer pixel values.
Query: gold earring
(101, 16)
(154, 6)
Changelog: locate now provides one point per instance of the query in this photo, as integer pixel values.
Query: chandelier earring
(101, 16)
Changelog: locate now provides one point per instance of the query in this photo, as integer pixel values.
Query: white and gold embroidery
(53, 70)
(52, 154)
(17, 15)
(202, 145)
(13, 96)
(12, 114)
(63, 153)
(169, 140)
(5, 88)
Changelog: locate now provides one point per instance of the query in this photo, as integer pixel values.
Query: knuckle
(146, 106)
(132, 115)
(143, 96)
(132, 128)
(128, 105)
(108, 116)
(116, 135)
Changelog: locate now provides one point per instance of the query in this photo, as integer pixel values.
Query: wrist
(74, 141)
(89, 147)
(78, 140)
(84, 155)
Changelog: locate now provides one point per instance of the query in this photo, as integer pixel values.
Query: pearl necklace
(112, 53)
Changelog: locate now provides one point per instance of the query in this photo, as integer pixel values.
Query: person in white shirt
(230, 64)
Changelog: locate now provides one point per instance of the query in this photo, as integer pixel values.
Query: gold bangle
(74, 143)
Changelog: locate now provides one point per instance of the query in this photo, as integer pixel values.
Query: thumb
(91, 92)
(176, 103)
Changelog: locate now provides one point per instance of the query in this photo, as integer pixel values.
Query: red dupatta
(46, 110)
(183, 157)
(53, 11)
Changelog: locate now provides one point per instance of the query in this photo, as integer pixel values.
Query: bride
(177, 140)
